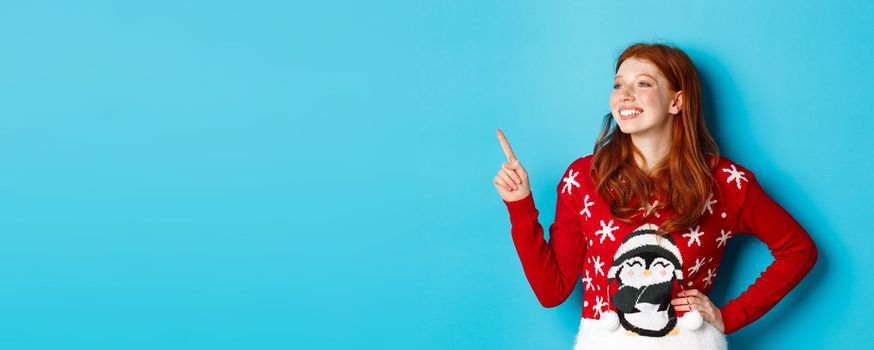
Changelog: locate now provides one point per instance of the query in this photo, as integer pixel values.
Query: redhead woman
(645, 219)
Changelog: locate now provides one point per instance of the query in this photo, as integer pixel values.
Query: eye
(616, 86)
(662, 264)
(643, 83)
(638, 263)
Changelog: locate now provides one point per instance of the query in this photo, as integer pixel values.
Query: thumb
(516, 166)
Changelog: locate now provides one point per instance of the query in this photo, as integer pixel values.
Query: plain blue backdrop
(275, 175)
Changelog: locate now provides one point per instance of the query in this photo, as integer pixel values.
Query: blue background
(269, 175)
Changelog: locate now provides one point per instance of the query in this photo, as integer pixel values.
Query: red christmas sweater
(585, 240)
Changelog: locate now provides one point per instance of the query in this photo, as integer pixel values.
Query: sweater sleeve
(552, 269)
(793, 250)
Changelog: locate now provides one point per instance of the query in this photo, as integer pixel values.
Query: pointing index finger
(506, 146)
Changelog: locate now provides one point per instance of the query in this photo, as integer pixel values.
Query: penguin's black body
(627, 299)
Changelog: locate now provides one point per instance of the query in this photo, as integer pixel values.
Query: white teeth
(628, 112)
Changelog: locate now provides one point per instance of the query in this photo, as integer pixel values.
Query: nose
(646, 273)
(625, 94)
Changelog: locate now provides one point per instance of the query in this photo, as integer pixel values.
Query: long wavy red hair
(685, 177)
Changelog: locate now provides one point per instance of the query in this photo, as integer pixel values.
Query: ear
(676, 103)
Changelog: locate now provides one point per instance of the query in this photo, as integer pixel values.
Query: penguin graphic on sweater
(646, 266)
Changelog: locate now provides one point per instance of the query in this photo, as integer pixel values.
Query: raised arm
(552, 269)
(793, 250)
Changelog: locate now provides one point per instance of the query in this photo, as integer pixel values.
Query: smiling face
(643, 102)
(646, 270)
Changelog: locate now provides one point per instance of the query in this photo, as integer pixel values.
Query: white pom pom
(609, 320)
(692, 320)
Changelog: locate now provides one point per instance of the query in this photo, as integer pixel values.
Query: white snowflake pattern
(711, 274)
(569, 181)
(606, 231)
(585, 210)
(708, 204)
(599, 304)
(698, 263)
(650, 209)
(723, 238)
(736, 175)
(694, 235)
(587, 282)
(598, 265)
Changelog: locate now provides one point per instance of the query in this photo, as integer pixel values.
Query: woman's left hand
(699, 301)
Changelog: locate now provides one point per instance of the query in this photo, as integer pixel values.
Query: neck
(653, 149)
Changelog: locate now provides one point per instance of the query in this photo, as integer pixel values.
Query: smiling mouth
(626, 114)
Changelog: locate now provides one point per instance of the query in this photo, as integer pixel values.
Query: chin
(636, 127)
(626, 129)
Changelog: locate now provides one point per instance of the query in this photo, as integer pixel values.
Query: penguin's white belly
(649, 317)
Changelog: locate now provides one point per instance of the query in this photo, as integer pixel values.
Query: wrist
(521, 210)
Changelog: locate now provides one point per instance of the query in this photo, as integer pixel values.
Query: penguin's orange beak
(646, 273)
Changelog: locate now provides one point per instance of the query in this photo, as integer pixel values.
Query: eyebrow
(653, 78)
